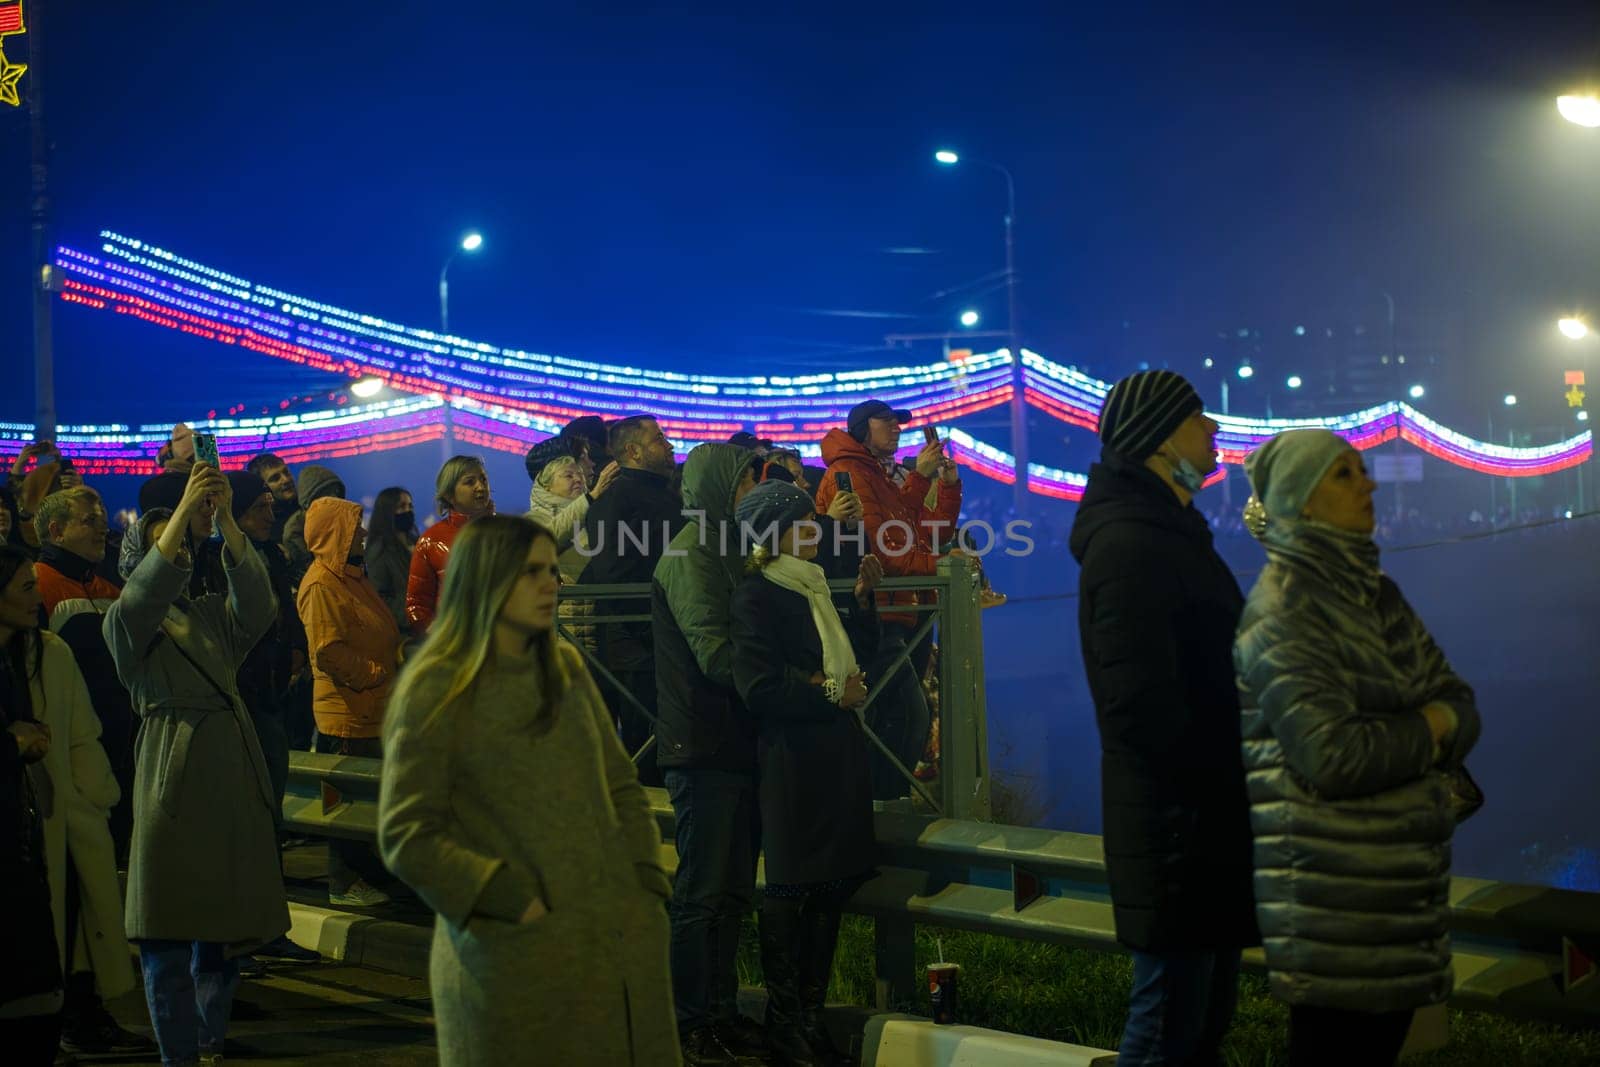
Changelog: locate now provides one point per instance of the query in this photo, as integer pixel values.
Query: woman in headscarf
(1354, 729)
(203, 882)
(512, 809)
(795, 664)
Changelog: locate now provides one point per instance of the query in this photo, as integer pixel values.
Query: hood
(838, 444)
(331, 530)
(315, 483)
(136, 542)
(711, 475)
(545, 502)
(1122, 491)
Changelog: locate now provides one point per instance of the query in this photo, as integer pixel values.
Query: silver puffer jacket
(1349, 798)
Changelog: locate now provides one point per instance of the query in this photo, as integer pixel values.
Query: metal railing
(1511, 941)
(963, 783)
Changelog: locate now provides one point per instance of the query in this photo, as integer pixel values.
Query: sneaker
(99, 1034)
(360, 895)
(252, 968)
(702, 1049)
(286, 951)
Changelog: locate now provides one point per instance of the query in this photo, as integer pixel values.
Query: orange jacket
(903, 554)
(428, 561)
(54, 587)
(353, 639)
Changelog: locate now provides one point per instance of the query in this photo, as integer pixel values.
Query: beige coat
(83, 791)
(204, 865)
(486, 808)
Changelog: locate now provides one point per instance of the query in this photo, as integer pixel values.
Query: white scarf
(807, 579)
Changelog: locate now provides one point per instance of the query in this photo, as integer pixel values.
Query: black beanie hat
(544, 453)
(1142, 411)
(163, 491)
(247, 489)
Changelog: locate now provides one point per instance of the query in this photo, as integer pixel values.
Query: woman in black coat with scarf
(795, 666)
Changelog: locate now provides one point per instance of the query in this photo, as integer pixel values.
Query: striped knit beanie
(1143, 410)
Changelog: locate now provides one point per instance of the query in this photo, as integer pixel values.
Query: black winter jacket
(1157, 612)
(651, 510)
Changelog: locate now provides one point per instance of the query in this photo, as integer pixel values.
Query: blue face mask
(1187, 476)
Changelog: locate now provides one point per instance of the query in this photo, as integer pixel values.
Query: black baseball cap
(746, 439)
(867, 410)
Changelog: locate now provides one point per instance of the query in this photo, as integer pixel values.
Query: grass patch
(1080, 996)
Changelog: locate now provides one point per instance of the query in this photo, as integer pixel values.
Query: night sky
(704, 191)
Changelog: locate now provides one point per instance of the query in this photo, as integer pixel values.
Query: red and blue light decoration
(505, 399)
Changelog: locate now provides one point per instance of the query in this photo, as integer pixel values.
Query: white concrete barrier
(912, 1041)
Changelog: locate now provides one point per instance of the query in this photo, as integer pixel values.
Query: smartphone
(930, 435)
(205, 450)
(842, 480)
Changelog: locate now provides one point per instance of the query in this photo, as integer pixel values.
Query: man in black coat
(627, 529)
(1157, 612)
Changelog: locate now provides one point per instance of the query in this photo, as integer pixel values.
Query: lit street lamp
(1019, 407)
(367, 388)
(1417, 392)
(470, 243)
(1511, 400)
(1246, 372)
(969, 319)
(1573, 329)
(1583, 110)
(1295, 381)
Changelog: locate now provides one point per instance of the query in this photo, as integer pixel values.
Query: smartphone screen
(842, 480)
(205, 450)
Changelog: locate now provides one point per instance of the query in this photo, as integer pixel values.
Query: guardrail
(1514, 944)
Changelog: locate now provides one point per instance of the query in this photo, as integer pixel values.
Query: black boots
(819, 937)
(781, 938)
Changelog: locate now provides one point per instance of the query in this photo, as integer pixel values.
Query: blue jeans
(1181, 1006)
(189, 988)
(718, 835)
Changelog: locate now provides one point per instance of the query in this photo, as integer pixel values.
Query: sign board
(1396, 468)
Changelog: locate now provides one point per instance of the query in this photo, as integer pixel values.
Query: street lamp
(1295, 381)
(1583, 416)
(470, 243)
(1573, 329)
(969, 319)
(1019, 407)
(1583, 110)
(1511, 400)
(1246, 372)
(1416, 392)
(367, 388)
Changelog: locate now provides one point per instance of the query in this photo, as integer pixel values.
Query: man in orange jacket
(906, 534)
(354, 651)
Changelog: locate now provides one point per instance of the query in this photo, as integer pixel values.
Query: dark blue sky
(673, 188)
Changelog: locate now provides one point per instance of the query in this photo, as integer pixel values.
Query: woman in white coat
(76, 790)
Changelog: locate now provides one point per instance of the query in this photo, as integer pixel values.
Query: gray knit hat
(1285, 471)
(1143, 410)
(773, 506)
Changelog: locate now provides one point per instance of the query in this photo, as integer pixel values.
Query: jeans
(1323, 1037)
(351, 861)
(189, 988)
(900, 717)
(718, 835)
(1180, 1009)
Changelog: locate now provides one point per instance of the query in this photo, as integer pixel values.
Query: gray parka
(1349, 799)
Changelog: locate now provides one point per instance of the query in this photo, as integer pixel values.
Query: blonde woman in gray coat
(509, 805)
(203, 881)
(1354, 730)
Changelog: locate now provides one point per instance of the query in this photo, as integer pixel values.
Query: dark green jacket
(1349, 801)
(702, 722)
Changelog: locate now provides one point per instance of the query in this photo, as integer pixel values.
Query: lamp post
(1019, 406)
(470, 243)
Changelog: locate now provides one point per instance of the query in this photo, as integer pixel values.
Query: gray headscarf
(136, 541)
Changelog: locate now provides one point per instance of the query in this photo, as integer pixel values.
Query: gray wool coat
(1350, 803)
(204, 864)
(492, 805)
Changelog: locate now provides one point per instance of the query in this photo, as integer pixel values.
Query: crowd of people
(1283, 769)
(240, 616)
